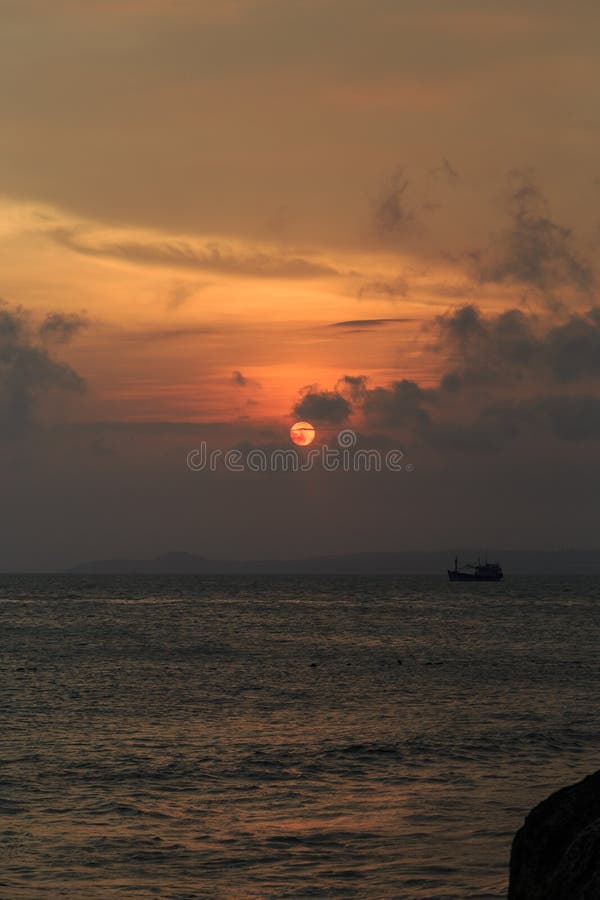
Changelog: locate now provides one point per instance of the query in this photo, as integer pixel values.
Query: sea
(285, 737)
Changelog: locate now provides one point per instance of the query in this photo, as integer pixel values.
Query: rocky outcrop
(556, 854)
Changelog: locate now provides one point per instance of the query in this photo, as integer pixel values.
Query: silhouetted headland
(556, 854)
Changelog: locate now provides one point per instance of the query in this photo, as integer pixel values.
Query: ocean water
(285, 737)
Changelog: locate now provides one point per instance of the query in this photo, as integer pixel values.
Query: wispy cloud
(535, 250)
(390, 289)
(209, 257)
(59, 328)
(369, 323)
(392, 212)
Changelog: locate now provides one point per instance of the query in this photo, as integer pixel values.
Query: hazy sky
(217, 218)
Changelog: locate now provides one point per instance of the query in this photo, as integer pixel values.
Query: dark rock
(556, 854)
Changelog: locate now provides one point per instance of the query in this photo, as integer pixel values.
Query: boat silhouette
(481, 572)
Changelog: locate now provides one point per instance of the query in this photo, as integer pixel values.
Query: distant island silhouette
(178, 562)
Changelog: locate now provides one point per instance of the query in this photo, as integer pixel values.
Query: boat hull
(471, 576)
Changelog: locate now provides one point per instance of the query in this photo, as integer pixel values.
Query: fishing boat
(481, 572)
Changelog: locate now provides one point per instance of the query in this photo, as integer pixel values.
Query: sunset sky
(219, 218)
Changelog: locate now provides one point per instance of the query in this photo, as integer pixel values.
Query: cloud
(479, 436)
(396, 287)
(353, 387)
(573, 348)
(210, 257)
(513, 345)
(181, 291)
(12, 324)
(59, 328)
(488, 350)
(571, 417)
(27, 371)
(462, 324)
(402, 210)
(242, 381)
(322, 406)
(368, 323)
(535, 250)
(401, 404)
(554, 363)
(391, 213)
(568, 417)
(548, 363)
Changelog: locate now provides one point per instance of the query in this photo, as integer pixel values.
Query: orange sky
(226, 209)
(207, 188)
(168, 322)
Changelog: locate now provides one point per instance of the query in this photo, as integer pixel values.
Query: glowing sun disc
(302, 433)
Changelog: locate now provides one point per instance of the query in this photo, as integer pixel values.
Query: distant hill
(558, 562)
(176, 562)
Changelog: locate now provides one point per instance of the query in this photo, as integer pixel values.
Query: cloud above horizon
(209, 257)
(535, 250)
(369, 323)
(555, 362)
(28, 373)
(320, 406)
(60, 328)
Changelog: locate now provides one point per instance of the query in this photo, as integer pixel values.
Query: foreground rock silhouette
(556, 854)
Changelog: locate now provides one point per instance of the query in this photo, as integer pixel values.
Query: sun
(302, 433)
